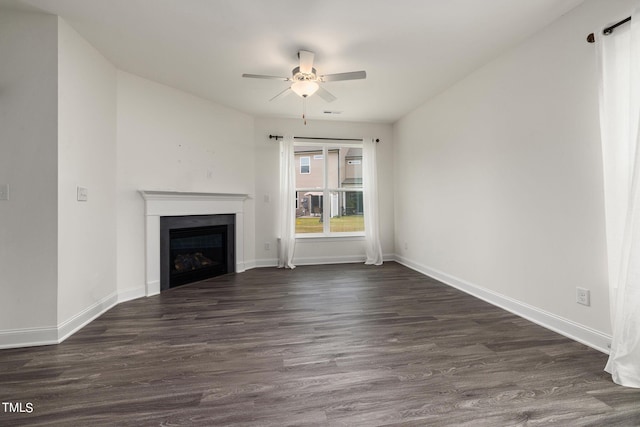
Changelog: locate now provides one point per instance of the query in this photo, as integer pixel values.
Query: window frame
(326, 233)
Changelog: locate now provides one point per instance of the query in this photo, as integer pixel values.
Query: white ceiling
(411, 49)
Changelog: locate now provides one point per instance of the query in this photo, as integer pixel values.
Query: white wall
(499, 180)
(87, 158)
(311, 251)
(28, 163)
(170, 140)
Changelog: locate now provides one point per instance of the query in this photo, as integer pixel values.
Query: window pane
(347, 212)
(305, 164)
(334, 171)
(350, 169)
(309, 170)
(309, 212)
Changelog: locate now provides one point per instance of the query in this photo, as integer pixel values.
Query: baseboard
(131, 294)
(352, 259)
(570, 329)
(71, 325)
(347, 259)
(30, 337)
(268, 262)
(248, 265)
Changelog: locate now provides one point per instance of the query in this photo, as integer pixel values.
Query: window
(329, 190)
(305, 165)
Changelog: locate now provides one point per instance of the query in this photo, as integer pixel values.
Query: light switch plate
(4, 191)
(83, 194)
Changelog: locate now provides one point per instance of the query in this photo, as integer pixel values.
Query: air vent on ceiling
(332, 112)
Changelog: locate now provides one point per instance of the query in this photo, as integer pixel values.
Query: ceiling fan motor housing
(299, 76)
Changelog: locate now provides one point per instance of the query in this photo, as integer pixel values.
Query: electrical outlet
(267, 246)
(82, 194)
(267, 198)
(406, 246)
(4, 191)
(583, 296)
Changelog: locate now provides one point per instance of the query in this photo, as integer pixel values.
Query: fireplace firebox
(195, 247)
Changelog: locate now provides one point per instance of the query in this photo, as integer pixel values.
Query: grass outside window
(339, 224)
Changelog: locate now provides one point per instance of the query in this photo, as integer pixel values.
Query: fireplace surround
(160, 204)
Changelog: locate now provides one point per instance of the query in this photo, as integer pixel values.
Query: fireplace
(195, 247)
(160, 204)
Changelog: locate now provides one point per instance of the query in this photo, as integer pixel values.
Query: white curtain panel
(287, 204)
(370, 196)
(619, 66)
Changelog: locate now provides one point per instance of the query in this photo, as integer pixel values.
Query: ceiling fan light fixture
(305, 88)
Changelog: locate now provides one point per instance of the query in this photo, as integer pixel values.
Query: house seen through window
(329, 190)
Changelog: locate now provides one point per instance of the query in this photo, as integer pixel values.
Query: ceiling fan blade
(326, 95)
(282, 94)
(260, 76)
(306, 61)
(353, 75)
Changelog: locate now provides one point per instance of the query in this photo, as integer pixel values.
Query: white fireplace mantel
(173, 203)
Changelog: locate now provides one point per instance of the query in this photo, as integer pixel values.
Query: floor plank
(320, 345)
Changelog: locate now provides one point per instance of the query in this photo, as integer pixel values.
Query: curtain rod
(592, 38)
(276, 137)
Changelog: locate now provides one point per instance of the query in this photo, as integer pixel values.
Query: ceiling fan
(306, 81)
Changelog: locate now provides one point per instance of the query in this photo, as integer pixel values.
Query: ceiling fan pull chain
(304, 110)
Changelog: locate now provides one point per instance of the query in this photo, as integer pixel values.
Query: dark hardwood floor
(320, 345)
